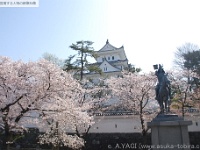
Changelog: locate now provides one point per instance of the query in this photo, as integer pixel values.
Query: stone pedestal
(168, 131)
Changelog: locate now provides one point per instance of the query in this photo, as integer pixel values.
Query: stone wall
(110, 141)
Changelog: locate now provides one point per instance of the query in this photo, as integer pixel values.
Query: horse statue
(163, 90)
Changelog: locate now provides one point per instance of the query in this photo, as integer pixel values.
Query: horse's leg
(161, 106)
(169, 103)
(166, 105)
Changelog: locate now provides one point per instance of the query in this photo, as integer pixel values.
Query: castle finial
(107, 41)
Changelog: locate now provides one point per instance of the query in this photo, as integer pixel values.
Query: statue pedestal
(168, 131)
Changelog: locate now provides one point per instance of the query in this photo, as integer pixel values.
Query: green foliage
(68, 64)
(95, 69)
(187, 57)
(192, 61)
(84, 50)
(182, 51)
(133, 69)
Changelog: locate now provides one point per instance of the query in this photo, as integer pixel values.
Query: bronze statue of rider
(160, 73)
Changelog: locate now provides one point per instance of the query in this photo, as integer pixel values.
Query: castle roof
(109, 47)
(110, 62)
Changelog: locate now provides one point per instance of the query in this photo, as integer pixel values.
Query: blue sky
(150, 30)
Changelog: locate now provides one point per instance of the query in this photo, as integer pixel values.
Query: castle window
(113, 57)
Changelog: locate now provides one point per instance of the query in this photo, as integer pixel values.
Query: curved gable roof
(112, 68)
(107, 47)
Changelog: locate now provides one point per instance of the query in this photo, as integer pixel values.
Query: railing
(114, 113)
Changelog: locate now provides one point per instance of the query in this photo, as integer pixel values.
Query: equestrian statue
(163, 89)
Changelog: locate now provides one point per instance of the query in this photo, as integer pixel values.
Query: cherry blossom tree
(18, 94)
(182, 89)
(92, 98)
(134, 91)
(62, 111)
(41, 93)
(73, 115)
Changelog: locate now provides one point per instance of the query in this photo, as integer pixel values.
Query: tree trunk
(144, 132)
(142, 123)
(8, 147)
(7, 139)
(183, 111)
(55, 147)
(82, 65)
(57, 144)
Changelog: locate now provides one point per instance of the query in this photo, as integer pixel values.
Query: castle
(110, 60)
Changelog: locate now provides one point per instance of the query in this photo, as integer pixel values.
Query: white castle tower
(110, 60)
